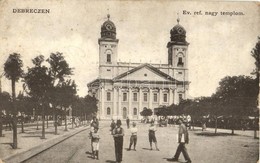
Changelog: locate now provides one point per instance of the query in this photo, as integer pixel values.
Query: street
(203, 147)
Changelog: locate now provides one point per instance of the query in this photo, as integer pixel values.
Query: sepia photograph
(125, 81)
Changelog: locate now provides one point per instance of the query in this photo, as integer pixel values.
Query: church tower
(108, 45)
(178, 56)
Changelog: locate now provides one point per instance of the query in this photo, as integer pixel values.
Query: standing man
(118, 134)
(127, 122)
(183, 138)
(112, 126)
(152, 137)
(133, 138)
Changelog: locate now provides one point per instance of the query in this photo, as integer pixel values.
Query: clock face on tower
(109, 27)
(180, 31)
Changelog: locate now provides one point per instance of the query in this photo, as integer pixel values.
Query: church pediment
(145, 72)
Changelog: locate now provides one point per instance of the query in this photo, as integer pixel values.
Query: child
(133, 138)
(152, 137)
(95, 143)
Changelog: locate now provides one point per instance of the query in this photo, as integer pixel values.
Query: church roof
(148, 66)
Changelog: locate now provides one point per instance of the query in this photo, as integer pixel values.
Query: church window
(108, 70)
(109, 58)
(145, 74)
(179, 72)
(108, 111)
(180, 62)
(165, 97)
(145, 97)
(108, 96)
(155, 98)
(124, 96)
(135, 97)
(135, 111)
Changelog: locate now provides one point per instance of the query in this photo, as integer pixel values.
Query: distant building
(125, 89)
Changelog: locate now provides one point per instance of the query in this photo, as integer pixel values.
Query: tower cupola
(108, 29)
(178, 33)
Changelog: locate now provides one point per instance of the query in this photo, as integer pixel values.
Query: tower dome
(108, 29)
(178, 33)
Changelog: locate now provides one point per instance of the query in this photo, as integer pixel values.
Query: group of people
(118, 133)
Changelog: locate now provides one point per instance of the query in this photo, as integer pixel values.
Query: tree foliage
(256, 55)
(146, 112)
(66, 92)
(91, 104)
(5, 102)
(59, 68)
(38, 80)
(13, 67)
(237, 94)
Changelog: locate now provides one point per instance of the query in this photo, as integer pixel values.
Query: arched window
(135, 111)
(180, 62)
(108, 111)
(109, 58)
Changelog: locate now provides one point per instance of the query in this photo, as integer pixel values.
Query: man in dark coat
(118, 134)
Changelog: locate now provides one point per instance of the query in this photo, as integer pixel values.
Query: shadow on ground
(32, 136)
(110, 161)
(210, 134)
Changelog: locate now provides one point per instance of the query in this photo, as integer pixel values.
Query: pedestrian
(112, 126)
(152, 137)
(127, 122)
(183, 138)
(92, 129)
(94, 124)
(118, 134)
(133, 138)
(95, 143)
(95, 120)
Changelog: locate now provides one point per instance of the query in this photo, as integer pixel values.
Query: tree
(146, 112)
(13, 71)
(67, 92)
(26, 105)
(38, 82)
(59, 70)
(238, 96)
(91, 105)
(256, 55)
(5, 99)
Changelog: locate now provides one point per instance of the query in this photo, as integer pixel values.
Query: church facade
(124, 89)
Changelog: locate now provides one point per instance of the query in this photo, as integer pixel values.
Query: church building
(124, 89)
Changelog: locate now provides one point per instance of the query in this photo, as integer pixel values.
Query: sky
(219, 45)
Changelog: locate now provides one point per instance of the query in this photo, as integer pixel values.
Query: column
(130, 109)
(140, 103)
(150, 99)
(114, 112)
(102, 102)
(119, 113)
(176, 96)
(170, 96)
(160, 96)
